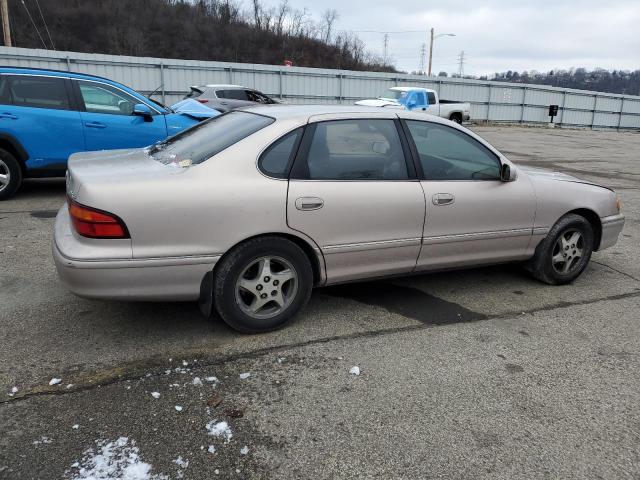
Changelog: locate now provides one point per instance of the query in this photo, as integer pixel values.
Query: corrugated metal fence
(492, 101)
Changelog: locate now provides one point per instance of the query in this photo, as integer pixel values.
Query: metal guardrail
(490, 101)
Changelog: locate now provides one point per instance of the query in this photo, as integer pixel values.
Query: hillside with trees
(198, 29)
(600, 80)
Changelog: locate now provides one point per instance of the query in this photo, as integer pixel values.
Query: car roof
(230, 87)
(52, 73)
(305, 112)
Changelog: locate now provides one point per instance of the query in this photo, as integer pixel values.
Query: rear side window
(206, 139)
(35, 91)
(235, 94)
(277, 159)
(367, 149)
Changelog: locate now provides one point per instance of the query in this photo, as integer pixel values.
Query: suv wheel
(261, 284)
(456, 117)
(564, 254)
(10, 174)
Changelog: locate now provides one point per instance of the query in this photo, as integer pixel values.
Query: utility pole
(5, 23)
(386, 47)
(430, 52)
(423, 54)
(461, 64)
(433, 37)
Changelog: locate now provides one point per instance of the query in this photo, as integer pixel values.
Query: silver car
(248, 211)
(225, 98)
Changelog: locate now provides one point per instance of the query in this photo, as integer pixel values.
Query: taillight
(93, 223)
(202, 100)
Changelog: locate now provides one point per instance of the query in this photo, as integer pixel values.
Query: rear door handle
(309, 203)
(443, 199)
(8, 115)
(95, 125)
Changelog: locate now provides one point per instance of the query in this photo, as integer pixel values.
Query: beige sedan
(247, 212)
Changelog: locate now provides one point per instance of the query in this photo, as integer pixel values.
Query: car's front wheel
(564, 254)
(261, 284)
(10, 174)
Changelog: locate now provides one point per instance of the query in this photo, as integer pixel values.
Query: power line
(45, 24)
(34, 24)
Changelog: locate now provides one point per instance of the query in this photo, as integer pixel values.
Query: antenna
(423, 54)
(386, 47)
(461, 64)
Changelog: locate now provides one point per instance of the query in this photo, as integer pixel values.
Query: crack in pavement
(628, 275)
(109, 378)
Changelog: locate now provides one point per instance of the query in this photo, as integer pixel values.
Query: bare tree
(328, 20)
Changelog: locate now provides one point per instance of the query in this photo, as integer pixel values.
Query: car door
(108, 119)
(37, 111)
(472, 216)
(354, 193)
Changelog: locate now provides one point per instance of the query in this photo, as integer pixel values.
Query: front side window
(432, 98)
(448, 154)
(277, 159)
(103, 98)
(37, 92)
(367, 149)
(206, 139)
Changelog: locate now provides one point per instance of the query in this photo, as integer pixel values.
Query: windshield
(395, 95)
(206, 139)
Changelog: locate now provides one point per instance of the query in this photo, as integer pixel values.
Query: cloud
(496, 35)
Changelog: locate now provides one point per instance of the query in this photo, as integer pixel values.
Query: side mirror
(506, 174)
(142, 110)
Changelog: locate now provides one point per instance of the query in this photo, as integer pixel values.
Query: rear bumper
(611, 228)
(148, 279)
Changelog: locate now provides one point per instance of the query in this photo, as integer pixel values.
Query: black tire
(456, 117)
(542, 265)
(234, 264)
(9, 166)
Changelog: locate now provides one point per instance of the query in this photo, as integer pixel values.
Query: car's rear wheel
(10, 174)
(261, 284)
(564, 254)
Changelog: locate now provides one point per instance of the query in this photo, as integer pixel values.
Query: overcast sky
(495, 35)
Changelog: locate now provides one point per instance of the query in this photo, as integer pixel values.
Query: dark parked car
(228, 97)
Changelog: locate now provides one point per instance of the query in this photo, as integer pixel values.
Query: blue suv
(46, 115)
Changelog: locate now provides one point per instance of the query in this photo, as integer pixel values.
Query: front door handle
(8, 115)
(95, 125)
(309, 203)
(443, 199)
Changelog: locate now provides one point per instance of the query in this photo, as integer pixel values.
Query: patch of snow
(220, 429)
(167, 372)
(14, 390)
(355, 370)
(155, 394)
(244, 450)
(178, 408)
(69, 385)
(76, 426)
(119, 459)
(211, 449)
(185, 363)
(43, 440)
(211, 379)
(216, 471)
(180, 462)
(55, 381)
(244, 376)
(197, 382)
(281, 359)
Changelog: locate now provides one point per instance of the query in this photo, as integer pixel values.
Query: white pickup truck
(417, 98)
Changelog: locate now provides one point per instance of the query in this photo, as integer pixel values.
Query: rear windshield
(206, 139)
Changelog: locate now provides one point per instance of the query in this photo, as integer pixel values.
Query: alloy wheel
(266, 287)
(5, 175)
(567, 251)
